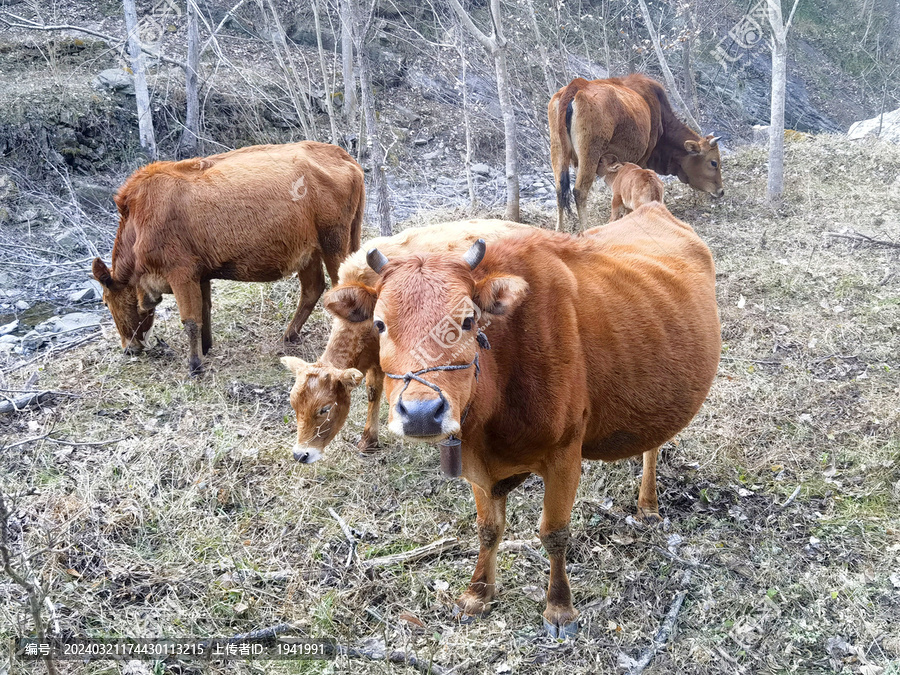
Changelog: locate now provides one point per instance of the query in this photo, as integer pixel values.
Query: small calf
(632, 187)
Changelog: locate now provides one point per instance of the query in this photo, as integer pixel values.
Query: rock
(481, 169)
(93, 193)
(21, 305)
(115, 79)
(6, 281)
(419, 142)
(9, 328)
(432, 155)
(71, 240)
(890, 127)
(8, 189)
(84, 295)
(32, 340)
(68, 322)
(760, 134)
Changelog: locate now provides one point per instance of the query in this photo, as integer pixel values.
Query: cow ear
(498, 295)
(614, 168)
(353, 302)
(351, 378)
(693, 147)
(295, 365)
(101, 272)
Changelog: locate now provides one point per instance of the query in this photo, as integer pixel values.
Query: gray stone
(9, 328)
(889, 124)
(70, 239)
(21, 305)
(760, 134)
(421, 141)
(32, 340)
(69, 322)
(6, 281)
(84, 295)
(8, 189)
(115, 79)
(432, 155)
(481, 169)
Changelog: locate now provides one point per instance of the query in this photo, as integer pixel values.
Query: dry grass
(147, 533)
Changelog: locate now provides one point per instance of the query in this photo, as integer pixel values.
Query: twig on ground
(48, 437)
(662, 635)
(681, 561)
(263, 633)
(728, 657)
(859, 236)
(415, 554)
(789, 500)
(22, 402)
(348, 534)
(377, 652)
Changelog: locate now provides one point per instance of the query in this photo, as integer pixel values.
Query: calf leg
(206, 327)
(190, 305)
(312, 285)
(491, 523)
(374, 387)
(648, 507)
(333, 265)
(615, 212)
(560, 485)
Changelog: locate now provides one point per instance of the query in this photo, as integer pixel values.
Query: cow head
(428, 310)
(321, 400)
(701, 167)
(132, 310)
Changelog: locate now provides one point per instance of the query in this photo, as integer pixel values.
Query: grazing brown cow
(321, 392)
(630, 118)
(601, 347)
(631, 186)
(255, 214)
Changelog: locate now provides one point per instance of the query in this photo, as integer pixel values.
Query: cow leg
(189, 298)
(476, 601)
(587, 172)
(648, 507)
(312, 285)
(206, 327)
(374, 388)
(615, 213)
(560, 485)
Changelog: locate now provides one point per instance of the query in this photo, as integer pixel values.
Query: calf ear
(295, 365)
(614, 168)
(353, 302)
(351, 377)
(101, 272)
(692, 147)
(498, 295)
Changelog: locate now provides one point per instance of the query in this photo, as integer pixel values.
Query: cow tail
(564, 194)
(356, 224)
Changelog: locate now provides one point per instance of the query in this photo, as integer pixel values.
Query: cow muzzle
(720, 192)
(423, 417)
(306, 455)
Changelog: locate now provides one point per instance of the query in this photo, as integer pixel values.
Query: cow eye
(714, 163)
(379, 325)
(467, 323)
(325, 410)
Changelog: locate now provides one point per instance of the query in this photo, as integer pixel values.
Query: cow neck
(123, 258)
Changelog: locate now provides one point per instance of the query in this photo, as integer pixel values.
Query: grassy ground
(198, 523)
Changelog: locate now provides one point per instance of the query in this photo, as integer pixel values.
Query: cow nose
(133, 349)
(306, 455)
(423, 416)
(720, 192)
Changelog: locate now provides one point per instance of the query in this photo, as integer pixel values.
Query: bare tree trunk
(350, 102)
(329, 104)
(542, 51)
(187, 147)
(467, 158)
(295, 88)
(141, 93)
(775, 183)
(667, 74)
(496, 46)
(360, 29)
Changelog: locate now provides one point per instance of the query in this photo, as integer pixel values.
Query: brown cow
(255, 214)
(601, 347)
(321, 392)
(631, 186)
(630, 118)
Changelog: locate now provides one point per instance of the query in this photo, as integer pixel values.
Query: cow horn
(376, 259)
(475, 254)
(714, 141)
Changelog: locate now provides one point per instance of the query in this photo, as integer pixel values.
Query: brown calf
(320, 396)
(631, 186)
(630, 118)
(255, 214)
(602, 347)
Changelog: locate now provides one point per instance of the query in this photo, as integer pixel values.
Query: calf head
(700, 168)
(428, 311)
(321, 400)
(132, 310)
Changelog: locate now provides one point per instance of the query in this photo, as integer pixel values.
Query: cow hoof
(469, 608)
(561, 632)
(368, 446)
(648, 517)
(195, 366)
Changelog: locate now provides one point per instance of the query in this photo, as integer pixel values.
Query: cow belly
(259, 268)
(617, 445)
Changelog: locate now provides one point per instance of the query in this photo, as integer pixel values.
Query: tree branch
(486, 42)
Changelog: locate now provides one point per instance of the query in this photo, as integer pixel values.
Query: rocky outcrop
(886, 127)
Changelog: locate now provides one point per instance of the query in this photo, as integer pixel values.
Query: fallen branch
(859, 236)
(377, 652)
(676, 558)
(48, 437)
(789, 500)
(348, 534)
(33, 25)
(263, 633)
(662, 635)
(22, 402)
(415, 554)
